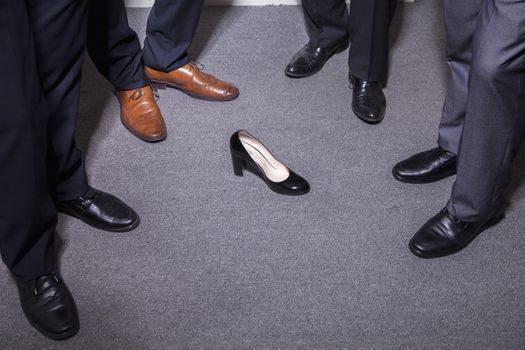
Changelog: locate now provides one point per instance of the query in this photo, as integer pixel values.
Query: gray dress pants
(483, 118)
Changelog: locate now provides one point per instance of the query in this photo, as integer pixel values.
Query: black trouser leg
(59, 27)
(170, 31)
(326, 21)
(369, 31)
(27, 213)
(113, 46)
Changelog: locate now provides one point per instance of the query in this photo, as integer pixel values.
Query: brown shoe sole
(141, 136)
(159, 84)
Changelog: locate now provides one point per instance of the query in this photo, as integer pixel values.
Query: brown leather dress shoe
(141, 115)
(194, 82)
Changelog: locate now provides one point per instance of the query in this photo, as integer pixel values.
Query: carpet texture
(221, 262)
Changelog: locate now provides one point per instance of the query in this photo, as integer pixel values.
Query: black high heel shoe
(250, 154)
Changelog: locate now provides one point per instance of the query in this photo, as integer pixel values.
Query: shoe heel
(342, 47)
(238, 165)
(158, 85)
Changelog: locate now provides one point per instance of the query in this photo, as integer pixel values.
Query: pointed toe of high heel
(250, 154)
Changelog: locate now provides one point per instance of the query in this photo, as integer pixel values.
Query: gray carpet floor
(220, 262)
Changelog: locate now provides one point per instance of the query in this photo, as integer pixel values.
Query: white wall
(148, 3)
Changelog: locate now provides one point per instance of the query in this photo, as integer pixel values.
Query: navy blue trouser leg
(59, 27)
(113, 46)
(170, 31)
(27, 213)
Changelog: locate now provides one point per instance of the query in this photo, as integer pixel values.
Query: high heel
(238, 165)
(250, 154)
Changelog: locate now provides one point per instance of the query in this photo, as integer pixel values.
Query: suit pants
(483, 119)
(40, 66)
(115, 48)
(328, 22)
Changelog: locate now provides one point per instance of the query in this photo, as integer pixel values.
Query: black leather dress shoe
(250, 154)
(368, 100)
(428, 166)
(309, 60)
(101, 210)
(445, 234)
(49, 306)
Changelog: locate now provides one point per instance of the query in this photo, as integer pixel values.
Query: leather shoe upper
(445, 234)
(141, 115)
(368, 100)
(428, 166)
(101, 210)
(193, 81)
(310, 59)
(49, 306)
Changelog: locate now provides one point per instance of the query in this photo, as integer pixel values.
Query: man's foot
(101, 210)
(194, 82)
(368, 100)
(428, 166)
(49, 306)
(310, 59)
(141, 115)
(445, 234)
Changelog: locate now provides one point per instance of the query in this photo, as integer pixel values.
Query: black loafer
(310, 59)
(428, 166)
(101, 210)
(368, 100)
(250, 154)
(49, 306)
(445, 234)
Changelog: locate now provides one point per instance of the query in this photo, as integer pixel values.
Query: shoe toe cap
(296, 184)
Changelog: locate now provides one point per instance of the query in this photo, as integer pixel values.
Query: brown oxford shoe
(194, 82)
(141, 115)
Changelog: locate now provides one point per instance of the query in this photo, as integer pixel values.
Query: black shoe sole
(337, 49)
(426, 181)
(54, 336)
(128, 228)
(366, 120)
(424, 255)
(57, 336)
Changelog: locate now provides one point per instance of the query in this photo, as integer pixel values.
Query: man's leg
(113, 46)
(368, 57)
(115, 49)
(493, 131)
(170, 30)
(461, 21)
(60, 66)
(494, 125)
(28, 216)
(327, 27)
(60, 30)
(369, 24)
(326, 22)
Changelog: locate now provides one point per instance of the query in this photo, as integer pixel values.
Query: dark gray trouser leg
(461, 21)
(326, 21)
(113, 46)
(170, 30)
(27, 213)
(495, 119)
